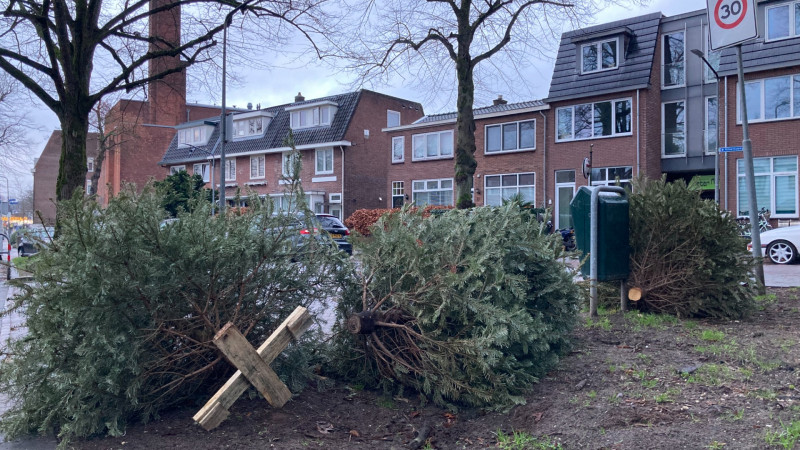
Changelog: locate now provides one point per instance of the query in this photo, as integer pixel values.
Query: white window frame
(664, 131)
(205, 171)
(335, 198)
(772, 174)
(793, 31)
(241, 127)
(285, 157)
(261, 166)
(316, 117)
(398, 190)
(389, 114)
(663, 49)
(706, 126)
(439, 135)
(486, 188)
(175, 169)
(401, 141)
(502, 129)
(195, 136)
(323, 170)
(88, 186)
(598, 45)
(230, 170)
(561, 185)
(793, 114)
(607, 181)
(591, 127)
(439, 181)
(90, 165)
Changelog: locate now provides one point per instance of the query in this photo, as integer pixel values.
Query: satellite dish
(587, 168)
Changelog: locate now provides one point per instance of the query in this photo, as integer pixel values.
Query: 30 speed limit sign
(731, 22)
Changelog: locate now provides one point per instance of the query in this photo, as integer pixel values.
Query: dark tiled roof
(493, 109)
(760, 55)
(634, 70)
(276, 132)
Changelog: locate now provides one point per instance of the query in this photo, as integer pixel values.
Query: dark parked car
(337, 231)
(30, 241)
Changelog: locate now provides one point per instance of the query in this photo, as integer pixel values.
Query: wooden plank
(215, 416)
(242, 355)
(299, 320)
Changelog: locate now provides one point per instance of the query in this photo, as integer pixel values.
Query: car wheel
(781, 252)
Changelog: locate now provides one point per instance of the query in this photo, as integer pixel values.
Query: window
(324, 164)
(202, 170)
(609, 176)
(509, 137)
(712, 56)
(312, 117)
(673, 129)
(392, 118)
(598, 56)
(672, 67)
(193, 136)
(433, 192)
(433, 145)
(772, 99)
(289, 162)
(90, 164)
(565, 190)
(257, 166)
(88, 190)
(248, 127)
(601, 119)
(398, 193)
(398, 149)
(712, 132)
(783, 21)
(502, 187)
(776, 185)
(230, 169)
(175, 169)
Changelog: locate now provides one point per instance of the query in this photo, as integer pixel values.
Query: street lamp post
(716, 150)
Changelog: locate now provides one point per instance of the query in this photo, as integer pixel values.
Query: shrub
(363, 219)
(686, 253)
(472, 306)
(123, 308)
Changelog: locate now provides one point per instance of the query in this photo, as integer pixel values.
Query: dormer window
(194, 136)
(251, 124)
(600, 55)
(316, 114)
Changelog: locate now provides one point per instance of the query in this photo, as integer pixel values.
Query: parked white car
(780, 244)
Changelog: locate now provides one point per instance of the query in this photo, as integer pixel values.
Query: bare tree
(71, 54)
(14, 127)
(434, 39)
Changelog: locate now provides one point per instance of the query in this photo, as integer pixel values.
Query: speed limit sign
(731, 22)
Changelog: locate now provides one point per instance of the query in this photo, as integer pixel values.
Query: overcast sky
(279, 85)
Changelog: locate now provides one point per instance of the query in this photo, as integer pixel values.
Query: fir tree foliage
(473, 306)
(686, 253)
(123, 307)
(180, 190)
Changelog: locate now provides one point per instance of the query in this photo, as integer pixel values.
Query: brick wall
(367, 161)
(772, 138)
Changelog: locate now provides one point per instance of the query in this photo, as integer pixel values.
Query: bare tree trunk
(465, 131)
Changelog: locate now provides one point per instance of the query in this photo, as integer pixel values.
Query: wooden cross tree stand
(253, 367)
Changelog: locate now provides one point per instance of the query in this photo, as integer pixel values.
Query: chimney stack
(299, 97)
(499, 101)
(167, 96)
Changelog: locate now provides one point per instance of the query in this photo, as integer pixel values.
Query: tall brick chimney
(167, 96)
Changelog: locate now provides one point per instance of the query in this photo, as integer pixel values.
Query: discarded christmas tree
(468, 307)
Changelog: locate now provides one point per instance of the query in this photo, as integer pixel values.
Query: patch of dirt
(629, 383)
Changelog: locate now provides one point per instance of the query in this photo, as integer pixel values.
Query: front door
(565, 190)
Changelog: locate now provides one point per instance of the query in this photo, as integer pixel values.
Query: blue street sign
(12, 201)
(730, 149)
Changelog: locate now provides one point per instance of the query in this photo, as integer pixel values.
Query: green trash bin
(613, 247)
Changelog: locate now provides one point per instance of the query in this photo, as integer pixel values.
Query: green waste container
(613, 248)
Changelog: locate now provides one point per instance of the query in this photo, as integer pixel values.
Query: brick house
(45, 173)
(345, 162)
(510, 145)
